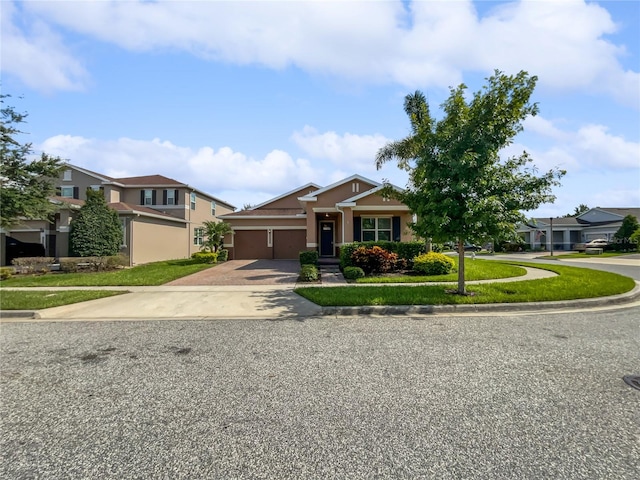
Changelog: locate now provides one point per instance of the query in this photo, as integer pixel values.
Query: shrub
(33, 264)
(433, 264)
(308, 257)
(205, 257)
(96, 230)
(223, 255)
(93, 264)
(405, 250)
(374, 260)
(6, 272)
(309, 273)
(351, 273)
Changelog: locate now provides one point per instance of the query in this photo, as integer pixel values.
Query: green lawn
(570, 284)
(157, 273)
(36, 300)
(474, 270)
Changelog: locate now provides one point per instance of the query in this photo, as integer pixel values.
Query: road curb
(623, 298)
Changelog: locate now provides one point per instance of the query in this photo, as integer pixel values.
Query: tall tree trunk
(461, 289)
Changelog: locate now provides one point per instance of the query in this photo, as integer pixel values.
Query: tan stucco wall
(291, 200)
(375, 199)
(340, 193)
(80, 180)
(151, 242)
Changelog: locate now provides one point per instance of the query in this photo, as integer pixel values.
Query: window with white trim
(193, 200)
(148, 197)
(213, 208)
(66, 175)
(124, 232)
(171, 197)
(376, 229)
(66, 192)
(198, 236)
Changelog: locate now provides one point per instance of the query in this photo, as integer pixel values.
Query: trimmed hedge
(433, 263)
(92, 264)
(374, 260)
(223, 255)
(32, 264)
(205, 257)
(308, 257)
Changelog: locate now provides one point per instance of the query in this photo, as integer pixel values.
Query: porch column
(347, 226)
(312, 232)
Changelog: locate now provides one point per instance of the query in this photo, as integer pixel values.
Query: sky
(249, 100)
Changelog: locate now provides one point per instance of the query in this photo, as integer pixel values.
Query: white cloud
(38, 56)
(429, 44)
(590, 148)
(347, 151)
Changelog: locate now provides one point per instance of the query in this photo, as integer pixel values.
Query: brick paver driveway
(245, 272)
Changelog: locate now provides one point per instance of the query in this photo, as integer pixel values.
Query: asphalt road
(500, 396)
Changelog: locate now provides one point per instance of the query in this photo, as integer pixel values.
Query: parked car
(597, 243)
(16, 249)
(472, 247)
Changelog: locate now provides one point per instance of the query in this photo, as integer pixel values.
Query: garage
(287, 244)
(254, 244)
(250, 244)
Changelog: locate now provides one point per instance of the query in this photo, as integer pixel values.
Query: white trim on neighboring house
(138, 213)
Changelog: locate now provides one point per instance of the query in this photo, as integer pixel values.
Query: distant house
(567, 231)
(161, 218)
(311, 217)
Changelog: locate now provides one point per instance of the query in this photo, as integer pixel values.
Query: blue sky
(248, 100)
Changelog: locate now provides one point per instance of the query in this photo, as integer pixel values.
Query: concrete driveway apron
(234, 289)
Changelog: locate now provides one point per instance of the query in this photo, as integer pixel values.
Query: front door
(326, 239)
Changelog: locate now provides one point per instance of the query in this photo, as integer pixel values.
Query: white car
(597, 243)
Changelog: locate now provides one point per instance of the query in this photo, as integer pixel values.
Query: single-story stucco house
(566, 232)
(312, 217)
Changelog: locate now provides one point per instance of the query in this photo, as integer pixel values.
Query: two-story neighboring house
(162, 218)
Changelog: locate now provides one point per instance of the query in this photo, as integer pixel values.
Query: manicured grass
(570, 284)
(36, 300)
(157, 273)
(474, 270)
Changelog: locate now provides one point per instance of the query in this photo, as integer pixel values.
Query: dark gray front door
(326, 239)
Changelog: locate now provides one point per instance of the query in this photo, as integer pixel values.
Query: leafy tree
(96, 230)
(215, 232)
(635, 238)
(25, 183)
(579, 210)
(629, 226)
(458, 185)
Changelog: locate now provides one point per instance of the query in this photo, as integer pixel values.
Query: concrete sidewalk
(259, 301)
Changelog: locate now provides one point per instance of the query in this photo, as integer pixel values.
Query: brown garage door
(287, 244)
(250, 244)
